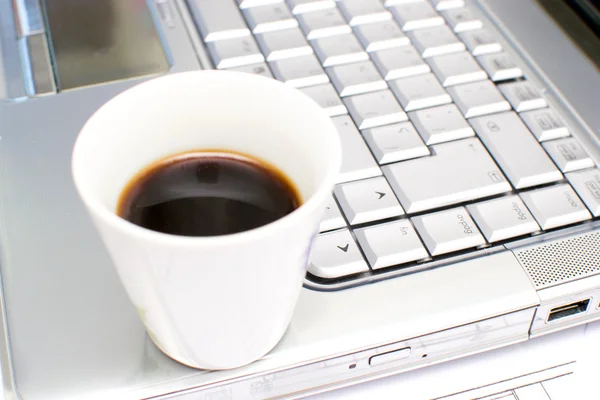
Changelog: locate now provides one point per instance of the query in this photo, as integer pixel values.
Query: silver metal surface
(480, 42)
(416, 15)
(357, 161)
(456, 69)
(326, 96)
(383, 35)
(356, 78)
(367, 200)
(374, 109)
(441, 124)
(395, 142)
(478, 98)
(545, 124)
(447, 231)
(323, 23)
(515, 149)
(555, 206)
(421, 91)
(500, 66)
(339, 49)
(391, 243)
(459, 171)
(461, 19)
(218, 19)
(332, 216)
(287, 43)
(522, 95)
(503, 218)
(359, 12)
(300, 71)
(336, 254)
(30, 20)
(395, 63)
(568, 154)
(435, 41)
(587, 185)
(36, 59)
(269, 18)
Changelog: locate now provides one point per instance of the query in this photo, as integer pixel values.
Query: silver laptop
(465, 217)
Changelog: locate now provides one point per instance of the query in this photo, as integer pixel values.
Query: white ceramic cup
(209, 302)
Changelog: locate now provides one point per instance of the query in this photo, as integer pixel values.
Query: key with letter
(419, 91)
(256, 69)
(478, 98)
(587, 185)
(396, 142)
(374, 109)
(416, 15)
(357, 161)
(326, 96)
(522, 95)
(323, 23)
(458, 171)
(303, 6)
(515, 149)
(383, 35)
(367, 200)
(391, 244)
(229, 53)
(287, 43)
(500, 66)
(300, 71)
(269, 18)
(461, 19)
(555, 206)
(356, 78)
(332, 216)
(435, 41)
(456, 69)
(336, 254)
(545, 124)
(568, 154)
(359, 12)
(447, 4)
(480, 42)
(503, 218)
(218, 19)
(256, 3)
(441, 124)
(398, 63)
(447, 231)
(340, 49)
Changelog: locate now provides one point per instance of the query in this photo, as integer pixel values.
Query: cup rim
(315, 200)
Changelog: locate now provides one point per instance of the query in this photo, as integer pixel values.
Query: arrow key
(367, 200)
(336, 254)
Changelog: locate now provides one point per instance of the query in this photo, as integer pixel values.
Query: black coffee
(207, 194)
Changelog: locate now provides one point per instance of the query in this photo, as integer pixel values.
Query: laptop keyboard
(447, 147)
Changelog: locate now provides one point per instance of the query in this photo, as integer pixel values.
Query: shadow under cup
(209, 302)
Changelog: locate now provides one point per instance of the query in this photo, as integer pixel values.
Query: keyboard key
(545, 124)
(300, 71)
(419, 91)
(256, 3)
(515, 149)
(218, 19)
(441, 124)
(461, 19)
(391, 244)
(458, 171)
(456, 69)
(359, 12)
(229, 53)
(587, 185)
(269, 18)
(283, 44)
(435, 41)
(480, 42)
(324, 23)
(447, 4)
(326, 96)
(416, 15)
(568, 154)
(396, 142)
(356, 78)
(357, 161)
(447, 231)
(256, 69)
(503, 218)
(367, 200)
(336, 254)
(555, 206)
(500, 66)
(383, 35)
(398, 63)
(332, 217)
(304, 6)
(340, 49)
(478, 98)
(522, 96)
(375, 109)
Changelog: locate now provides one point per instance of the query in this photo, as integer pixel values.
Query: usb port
(567, 310)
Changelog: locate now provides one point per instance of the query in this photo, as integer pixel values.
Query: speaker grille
(561, 261)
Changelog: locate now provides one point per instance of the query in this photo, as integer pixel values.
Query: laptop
(465, 217)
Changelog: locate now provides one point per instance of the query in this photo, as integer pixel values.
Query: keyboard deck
(447, 147)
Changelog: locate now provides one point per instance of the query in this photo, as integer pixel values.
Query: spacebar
(459, 171)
